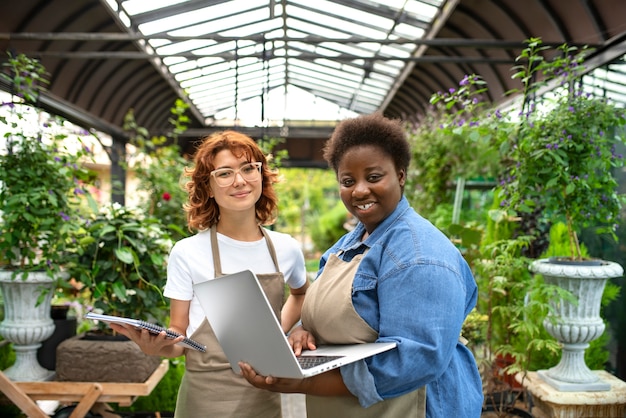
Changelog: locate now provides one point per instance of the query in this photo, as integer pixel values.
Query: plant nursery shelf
(88, 394)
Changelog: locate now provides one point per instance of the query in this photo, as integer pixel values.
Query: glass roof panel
(234, 57)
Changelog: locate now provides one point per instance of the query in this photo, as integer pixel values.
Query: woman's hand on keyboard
(301, 339)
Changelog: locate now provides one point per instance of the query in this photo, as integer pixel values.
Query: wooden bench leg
(87, 401)
(20, 398)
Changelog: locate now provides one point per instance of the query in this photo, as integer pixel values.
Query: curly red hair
(202, 210)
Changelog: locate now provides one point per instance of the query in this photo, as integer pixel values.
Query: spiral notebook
(153, 328)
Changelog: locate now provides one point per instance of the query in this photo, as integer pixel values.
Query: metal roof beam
(69, 111)
(460, 43)
(129, 55)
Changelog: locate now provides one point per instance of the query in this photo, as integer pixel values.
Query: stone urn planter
(96, 357)
(578, 323)
(26, 323)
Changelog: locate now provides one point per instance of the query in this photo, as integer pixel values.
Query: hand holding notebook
(153, 328)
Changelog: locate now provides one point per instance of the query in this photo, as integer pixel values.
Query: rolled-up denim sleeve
(421, 309)
(360, 382)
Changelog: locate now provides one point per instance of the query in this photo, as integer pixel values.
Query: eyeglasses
(225, 177)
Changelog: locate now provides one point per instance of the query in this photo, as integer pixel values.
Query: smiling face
(369, 184)
(242, 194)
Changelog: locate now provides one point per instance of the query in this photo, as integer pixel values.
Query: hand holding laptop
(271, 383)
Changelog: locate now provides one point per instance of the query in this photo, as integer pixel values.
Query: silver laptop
(247, 329)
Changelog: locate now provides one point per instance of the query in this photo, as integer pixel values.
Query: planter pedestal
(552, 403)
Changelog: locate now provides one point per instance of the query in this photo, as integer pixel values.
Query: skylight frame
(238, 61)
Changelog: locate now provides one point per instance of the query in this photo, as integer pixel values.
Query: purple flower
(64, 216)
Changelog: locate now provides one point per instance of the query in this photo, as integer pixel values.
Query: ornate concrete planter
(26, 324)
(576, 324)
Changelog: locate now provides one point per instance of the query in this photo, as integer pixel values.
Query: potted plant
(562, 167)
(563, 156)
(40, 193)
(122, 263)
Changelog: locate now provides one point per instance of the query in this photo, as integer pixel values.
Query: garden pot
(26, 324)
(576, 324)
(64, 328)
(97, 357)
(501, 362)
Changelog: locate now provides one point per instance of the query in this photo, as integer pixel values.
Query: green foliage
(441, 216)
(27, 76)
(456, 138)
(7, 358)
(41, 179)
(562, 158)
(158, 164)
(122, 262)
(559, 242)
(303, 196)
(7, 355)
(329, 227)
(508, 319)
(516, 304)
(274, 157)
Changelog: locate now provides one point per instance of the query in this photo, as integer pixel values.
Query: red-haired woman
(230, 199)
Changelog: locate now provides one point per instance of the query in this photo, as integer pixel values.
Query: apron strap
(217, 264)
(270, 246)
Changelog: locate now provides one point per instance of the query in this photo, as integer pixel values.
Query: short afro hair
(374, 129)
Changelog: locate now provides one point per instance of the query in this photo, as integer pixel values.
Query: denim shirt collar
(353, 239)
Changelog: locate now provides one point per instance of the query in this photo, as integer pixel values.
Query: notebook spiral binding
(156, 329)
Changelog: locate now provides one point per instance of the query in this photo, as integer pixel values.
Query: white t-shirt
(191, 261)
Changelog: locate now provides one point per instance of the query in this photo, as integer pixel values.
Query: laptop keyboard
(306, 362)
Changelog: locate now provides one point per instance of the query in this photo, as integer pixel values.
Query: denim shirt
(414, 287)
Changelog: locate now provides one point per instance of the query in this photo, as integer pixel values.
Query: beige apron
(209, 387)
(329, 314)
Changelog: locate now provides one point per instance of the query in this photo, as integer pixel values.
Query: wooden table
(89, 395)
